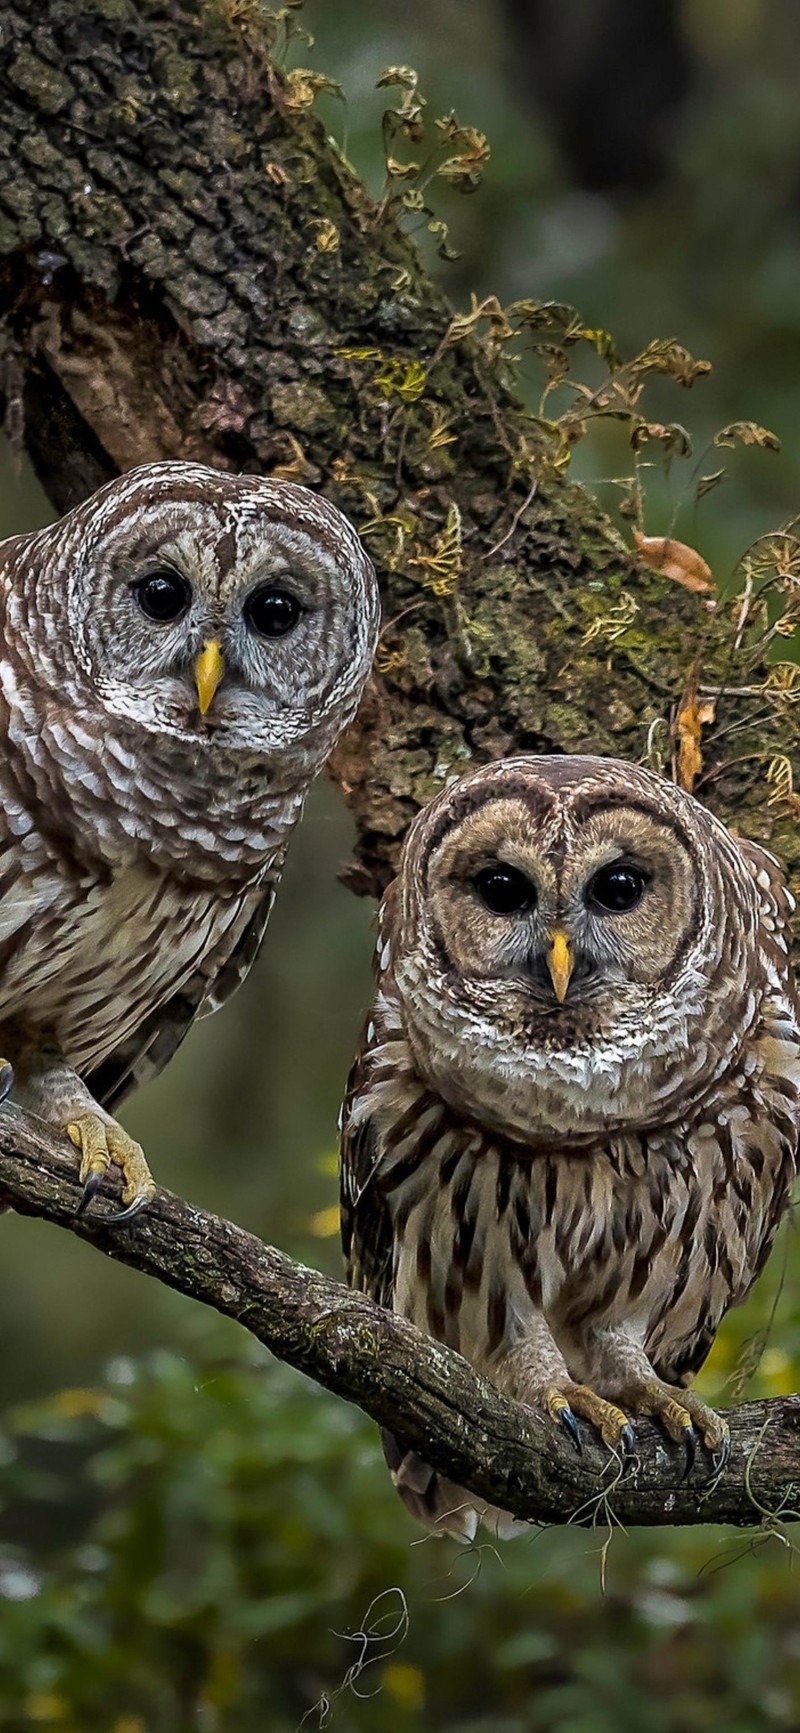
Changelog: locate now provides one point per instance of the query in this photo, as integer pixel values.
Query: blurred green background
(190, 1537)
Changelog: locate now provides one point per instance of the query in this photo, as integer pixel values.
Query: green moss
(43, 85)
(115, 11)
(177, 77)
(38, 150)
(302, 406)
(12, 234)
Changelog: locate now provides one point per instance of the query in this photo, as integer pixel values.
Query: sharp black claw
(567, 1420)
(126, 1215)
(690, 1446)
(90, 1191)
(6, 1080)
(627, 1439)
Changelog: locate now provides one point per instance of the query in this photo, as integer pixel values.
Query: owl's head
(565, 932)
(228, 611)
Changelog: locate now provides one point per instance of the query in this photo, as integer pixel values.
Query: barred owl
(571, 1130)
(179, 655)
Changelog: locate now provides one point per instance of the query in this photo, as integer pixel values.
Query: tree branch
(429, 1395)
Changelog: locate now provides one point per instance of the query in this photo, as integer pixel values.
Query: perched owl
(572, 1128)
(178, 656)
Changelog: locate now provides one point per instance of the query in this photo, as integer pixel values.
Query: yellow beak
(208, 671)
(559, 962)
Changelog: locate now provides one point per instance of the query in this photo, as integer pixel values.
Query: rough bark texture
(188, 268)
(426, 1393)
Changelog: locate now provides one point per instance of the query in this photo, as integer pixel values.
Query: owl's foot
(685, 1418)
(564, 1401)
(102, 1143)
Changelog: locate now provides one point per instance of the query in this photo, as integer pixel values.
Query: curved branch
(429, 1395)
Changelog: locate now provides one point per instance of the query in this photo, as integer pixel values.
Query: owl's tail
(438, 1503)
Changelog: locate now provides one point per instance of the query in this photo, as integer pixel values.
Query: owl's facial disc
(242, 622)
(548, 912)
(559, 931)
(269, 611)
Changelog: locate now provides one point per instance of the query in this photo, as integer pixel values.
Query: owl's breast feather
(82, 964)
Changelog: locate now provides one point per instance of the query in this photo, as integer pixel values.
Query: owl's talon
(90, 1191)
(568, 1421)
(6, 1079)
(685, 1417)
(127, 1215)
(103, 1143)
(690, 1448)
(571, 1402)
(559, 1409)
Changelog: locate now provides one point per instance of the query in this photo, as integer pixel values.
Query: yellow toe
(103, 1143)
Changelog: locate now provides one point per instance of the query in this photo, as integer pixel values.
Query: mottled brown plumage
(179, 655)
(571, 1130)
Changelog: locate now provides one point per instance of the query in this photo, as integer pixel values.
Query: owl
(571, 1130)
(178, 656)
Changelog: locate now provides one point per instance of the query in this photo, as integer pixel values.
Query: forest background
(191, 1537)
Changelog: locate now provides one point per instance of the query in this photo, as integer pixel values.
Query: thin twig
(514, 521)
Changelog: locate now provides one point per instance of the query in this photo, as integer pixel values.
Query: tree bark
(501, 1452)
(190, 269)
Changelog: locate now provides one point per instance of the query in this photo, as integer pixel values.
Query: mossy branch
(424, 1392)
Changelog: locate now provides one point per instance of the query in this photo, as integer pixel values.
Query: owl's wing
(367, 1239)
(777, 909)
(681, 1362)
(769, 876)
(145, 1052)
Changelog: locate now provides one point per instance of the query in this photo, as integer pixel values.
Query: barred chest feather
(105, 914)
(84, 964)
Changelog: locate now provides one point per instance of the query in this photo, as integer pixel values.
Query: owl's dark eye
(617, 888)
(162, 596)
(272, 612)
(504, 890)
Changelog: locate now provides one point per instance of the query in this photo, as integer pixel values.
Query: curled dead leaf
(748, 433)
(693, 715)
(675, 560)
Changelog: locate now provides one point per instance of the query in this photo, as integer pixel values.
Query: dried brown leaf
(302, 86)
(693, 715)
(670, 434)
(667, 355)
(747, 433)
(675, 560)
